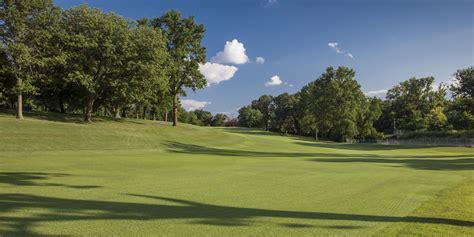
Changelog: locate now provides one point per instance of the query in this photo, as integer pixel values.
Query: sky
(257, 47)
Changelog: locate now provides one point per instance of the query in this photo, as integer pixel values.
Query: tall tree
(23, 26)
(184, 38)
(142, 79)
(98, 44)
(335, 102)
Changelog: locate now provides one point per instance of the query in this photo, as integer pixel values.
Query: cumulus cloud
(216, 73)
(377, 93)
(274, 81)
(233, 53)
(260, 60)
(190, 105)
(335, 46)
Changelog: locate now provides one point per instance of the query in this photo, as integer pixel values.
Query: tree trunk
(175, 110)
(89, 105)
(117, 111)
(61, 105)
(19, 107)
(144, 112)
(166, 116)
(316, 135)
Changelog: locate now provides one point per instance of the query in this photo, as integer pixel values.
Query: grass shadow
(61, 209)
(357, 147)
(75, 118)
(424, 162)
(415, 163)
(35, 178)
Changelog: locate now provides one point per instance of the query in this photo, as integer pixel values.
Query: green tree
(265, 105)
(370, 111)
(142, 79)
(204, 117)
(285, 119)
(335, 99)
(98, 45)
(23, 27)
(461, 109)
(250, 117)
(183, 43)
(218, 120)
(415, 105)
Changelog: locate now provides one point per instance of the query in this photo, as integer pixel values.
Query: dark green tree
(415, 105)
(23, 28)
(183, 41)
(265, 105)
(98, 45)
(218, 120)
(250, 117)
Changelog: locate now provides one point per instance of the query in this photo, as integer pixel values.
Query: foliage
(183, 44)
(250, 117)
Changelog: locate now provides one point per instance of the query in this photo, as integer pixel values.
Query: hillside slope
(59, 176)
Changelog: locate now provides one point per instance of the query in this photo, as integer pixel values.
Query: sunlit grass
(59, 176)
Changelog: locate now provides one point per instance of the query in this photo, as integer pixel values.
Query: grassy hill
(59, 176)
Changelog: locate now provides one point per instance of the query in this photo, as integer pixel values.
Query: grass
(59, 176)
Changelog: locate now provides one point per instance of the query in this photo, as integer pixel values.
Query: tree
(415, 105)
(218, 120)
(285, 119)
(98, 45)
(23, 26)
(184, 38)
(204, 117)
(249, 117)
(461, 109)
(335, 99)
(265, 105)
(142, 80)
(370, 112)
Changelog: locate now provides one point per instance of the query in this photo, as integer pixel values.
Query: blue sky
(389, 41)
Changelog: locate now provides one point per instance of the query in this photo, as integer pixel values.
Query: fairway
(59, 176)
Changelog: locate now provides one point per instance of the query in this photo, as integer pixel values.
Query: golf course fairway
(130, 177)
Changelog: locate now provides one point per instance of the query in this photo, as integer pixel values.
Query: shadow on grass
(308, 141)
(35, 178)
(424, 162)
(73, 118)
(359, 147)
(60, 209)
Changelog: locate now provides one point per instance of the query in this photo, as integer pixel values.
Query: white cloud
(260, 60)
(335, 46)
(233, 53)
(216, 73)
(377, 93)
(190, 105)
(270, 3)
(274, 81)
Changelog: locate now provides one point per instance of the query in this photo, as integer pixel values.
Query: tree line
(334, 107)
(85, 60)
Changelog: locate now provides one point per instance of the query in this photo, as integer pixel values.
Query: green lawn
(140, 178)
